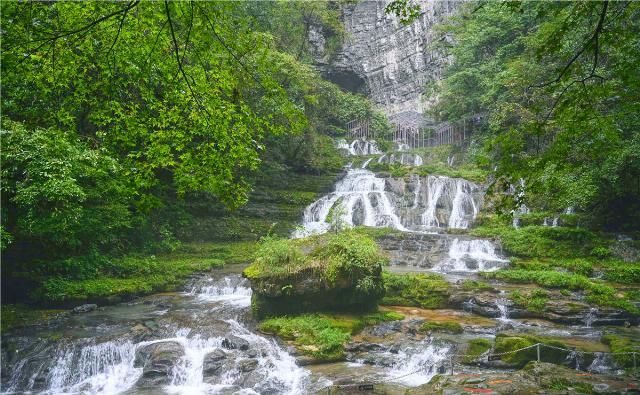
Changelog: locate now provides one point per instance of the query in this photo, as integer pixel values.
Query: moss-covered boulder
(553, 350)
(332, 272)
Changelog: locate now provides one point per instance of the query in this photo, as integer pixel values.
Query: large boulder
(332, 272)
(157, 361)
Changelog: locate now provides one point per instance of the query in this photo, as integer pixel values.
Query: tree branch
(177, 52)
(594, 38)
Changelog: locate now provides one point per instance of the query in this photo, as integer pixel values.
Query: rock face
(380, 57)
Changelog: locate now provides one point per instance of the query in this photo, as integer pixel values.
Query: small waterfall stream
(114, 366)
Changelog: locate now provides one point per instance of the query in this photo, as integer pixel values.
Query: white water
(471, 256)
(362, 147)
(503, 308)
(227, 290)
(425, 358)
(359, 199)
(366, 163)
(108, 367)
(457, 193)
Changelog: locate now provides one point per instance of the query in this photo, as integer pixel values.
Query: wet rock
(85, 308)
(363, 347)
(157, 360)
(247, 365)
(213, 362)
(233, 342)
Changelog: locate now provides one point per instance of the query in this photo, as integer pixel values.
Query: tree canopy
(561, 85)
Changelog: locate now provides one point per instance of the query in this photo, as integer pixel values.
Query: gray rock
(85, 308)
(247, 365)
(233, 342)
(213, 362)
(390, 62)
(157, 360)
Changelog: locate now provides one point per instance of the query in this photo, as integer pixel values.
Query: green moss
(532, 301)
(341, 272)
(478, 286)
(139, 275)
(19, 315)
(323, 336)
(541, 241)
(623, 343)
(476, 347)
(506, 343)
(428, 291)
(447, 327)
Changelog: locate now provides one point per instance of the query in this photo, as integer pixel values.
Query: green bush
(428, 291)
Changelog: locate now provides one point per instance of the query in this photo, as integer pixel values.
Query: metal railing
(370, 386)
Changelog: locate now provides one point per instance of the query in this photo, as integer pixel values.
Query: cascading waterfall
(82, 367)
(228, 290)
(364, 147)
(416, 196)
(110, 367)
(425, 358)
(359, 199)
(458, 194)
(471, 256)
(366, 163)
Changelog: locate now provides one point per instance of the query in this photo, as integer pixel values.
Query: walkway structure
(412, 129)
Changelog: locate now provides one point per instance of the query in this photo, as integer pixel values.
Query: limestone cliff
(380, 57)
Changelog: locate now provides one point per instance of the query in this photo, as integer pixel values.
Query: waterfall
(425, 358)
(463, 204)
(228, 290)
(456, 193)
(503, 309)
(359, 199)
(364, 147)
(416, 197)
(366, 163)
(471, 256)
(435, 187)
(109, 367)
(590, 317)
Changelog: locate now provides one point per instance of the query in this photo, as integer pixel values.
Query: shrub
(428, 291)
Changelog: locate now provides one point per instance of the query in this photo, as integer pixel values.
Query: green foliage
(622, 272)
(406, 10)
(428, 291)
(61, 193)
(533, 301)
(476, 348)
(322, 336)
(104, 279)
(598, 293)
(447, 327)
(475, 285)
(541, 241)
(559, 89)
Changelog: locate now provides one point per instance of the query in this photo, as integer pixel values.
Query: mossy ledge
(331, 272)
